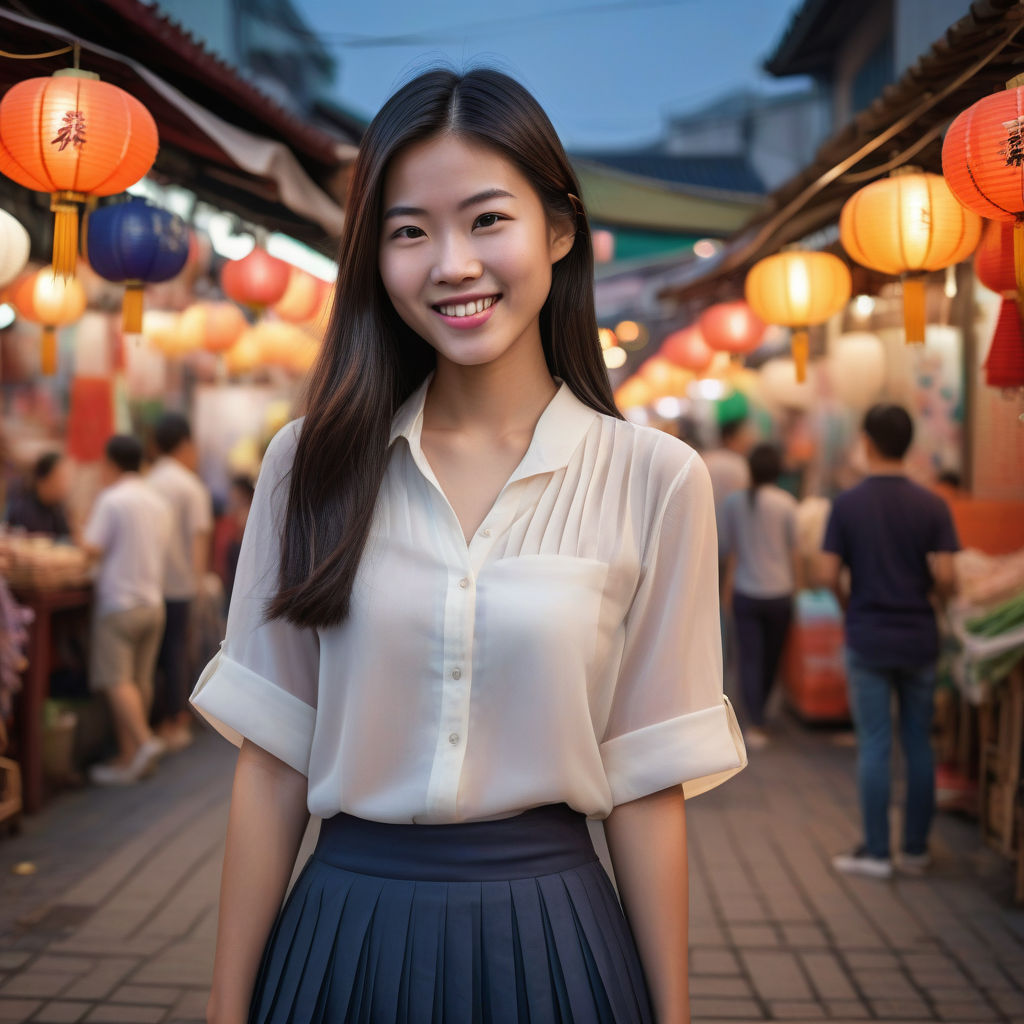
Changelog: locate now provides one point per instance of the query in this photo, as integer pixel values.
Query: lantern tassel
(48, 354)
(914, 309)
(800, 346)
(65, 235)
(131, 308)
(1018, 257)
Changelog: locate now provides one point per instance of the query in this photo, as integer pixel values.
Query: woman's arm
(647, 842)
(265, 827)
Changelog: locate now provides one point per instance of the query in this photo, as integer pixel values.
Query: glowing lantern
(46, 298)
(14, 247)
(731, 327)
(136, 243)
(214, 326)
(906, 225)
(302, 298)
(73, 136)
(856, 369)
(798, 289)
(162, 329)
(687, 349)
(632, 393)
(245, 355)
(283, 345)
(257, 281)
(982, 156)
(606, 337)
(996, 269)
(781, 385)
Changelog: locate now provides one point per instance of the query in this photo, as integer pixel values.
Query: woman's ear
(561, 236)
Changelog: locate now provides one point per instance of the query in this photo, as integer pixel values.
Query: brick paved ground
(118, 923)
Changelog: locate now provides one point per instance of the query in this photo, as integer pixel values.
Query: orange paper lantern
(245, 355)
(47, 298)
(731, 327)
(906, 225)
(632, 393)
(73, 136)
(687, 349)
(798, 289)
(214, 326)
(258, 281)
(982, 159)
(302, 298)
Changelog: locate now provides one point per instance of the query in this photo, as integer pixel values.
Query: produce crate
(1001, 734)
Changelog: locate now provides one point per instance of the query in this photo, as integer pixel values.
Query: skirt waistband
(540, 841)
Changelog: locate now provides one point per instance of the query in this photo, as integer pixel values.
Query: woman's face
(466, 249)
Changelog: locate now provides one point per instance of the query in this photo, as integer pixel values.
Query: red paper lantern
(1004, 367)
(258, 281)
(993, 259)
(73, 136)
(90, 417)
(688, 349)
(982, 158)
(731, 327)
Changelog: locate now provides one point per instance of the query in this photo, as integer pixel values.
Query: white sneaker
(146, 757)
(112, 774)
(914, 863)
(860, 862)
(755, 738)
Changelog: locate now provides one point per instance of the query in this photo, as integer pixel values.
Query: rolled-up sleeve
(262, 684)
(670, 723)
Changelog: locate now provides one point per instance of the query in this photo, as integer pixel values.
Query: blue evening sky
(606, 71)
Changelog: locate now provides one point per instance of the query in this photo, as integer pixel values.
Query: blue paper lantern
(138, 244)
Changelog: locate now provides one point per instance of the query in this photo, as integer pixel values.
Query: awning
(904, 125)
(282, 177)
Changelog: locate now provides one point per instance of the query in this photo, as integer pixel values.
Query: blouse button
(453, 739)
(456, 673)
(464, 582)
(486, 533)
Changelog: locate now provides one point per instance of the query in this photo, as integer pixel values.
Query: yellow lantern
(907, 225)
(798, 289)
(245, 355)
(45, 297)
(634, 392)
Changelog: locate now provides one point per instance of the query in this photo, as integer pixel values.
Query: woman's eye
(410, 231)
(487, 220)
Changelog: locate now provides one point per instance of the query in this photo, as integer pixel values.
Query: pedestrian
(897, 539)
(174, 477)
(759, 536)
(39, 507)
(239, 504)
(473, 607)
(127, 534)
(728, 467)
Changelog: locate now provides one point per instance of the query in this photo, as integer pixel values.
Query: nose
(455, 261)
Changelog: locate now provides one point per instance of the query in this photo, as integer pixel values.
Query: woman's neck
(496, 398)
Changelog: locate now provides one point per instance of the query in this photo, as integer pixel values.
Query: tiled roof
(724, 173)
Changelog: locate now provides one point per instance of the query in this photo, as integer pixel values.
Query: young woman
(473, 607)
(762, 573)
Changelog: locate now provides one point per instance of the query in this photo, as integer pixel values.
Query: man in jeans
(897, 540)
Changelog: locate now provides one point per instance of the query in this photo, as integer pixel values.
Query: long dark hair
(371, 361)
(765, 463)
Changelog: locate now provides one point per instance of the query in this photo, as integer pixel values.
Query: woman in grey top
(758, 537)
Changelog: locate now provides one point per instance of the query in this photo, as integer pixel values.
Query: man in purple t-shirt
(897, 540)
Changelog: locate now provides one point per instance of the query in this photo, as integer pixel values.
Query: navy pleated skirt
(497, 922)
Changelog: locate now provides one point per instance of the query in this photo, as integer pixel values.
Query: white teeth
(469, 308)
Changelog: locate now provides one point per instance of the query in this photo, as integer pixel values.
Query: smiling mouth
(460, 309)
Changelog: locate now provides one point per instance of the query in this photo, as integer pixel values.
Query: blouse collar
(559, 431)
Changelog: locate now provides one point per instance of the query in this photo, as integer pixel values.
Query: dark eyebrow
(480, 197)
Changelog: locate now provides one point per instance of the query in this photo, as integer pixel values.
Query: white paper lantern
(779, 385)
(14, 246)
(856, 369)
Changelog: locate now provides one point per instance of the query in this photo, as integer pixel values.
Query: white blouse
(570, 652)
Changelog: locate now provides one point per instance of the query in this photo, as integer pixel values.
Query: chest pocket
(542, 612)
